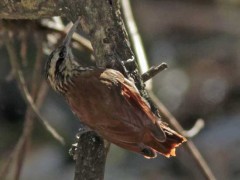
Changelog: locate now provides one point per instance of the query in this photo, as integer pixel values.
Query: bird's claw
(127, 64)
(72, 151)
(82, 130)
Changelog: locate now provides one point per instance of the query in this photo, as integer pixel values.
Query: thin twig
(63, 30)
(21, 147)
(21, 153)
(136, 40)
(197, 127)
(45, 122)
(10, 76)
(25, 92)
(24, 47)
(203, 166)
(29, 115)
(195, 153)
(6, 165)
(153, 71)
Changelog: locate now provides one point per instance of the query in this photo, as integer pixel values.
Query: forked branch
(203, 166)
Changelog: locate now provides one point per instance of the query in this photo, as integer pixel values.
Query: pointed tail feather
(168, 147)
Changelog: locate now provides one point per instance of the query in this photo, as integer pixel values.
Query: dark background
(200, 41)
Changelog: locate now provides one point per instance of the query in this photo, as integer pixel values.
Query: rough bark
(91, 157)
(91, 152)
(101, 20)
(29, 9)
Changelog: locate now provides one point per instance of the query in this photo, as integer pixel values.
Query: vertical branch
(91, 157)
(102, 22)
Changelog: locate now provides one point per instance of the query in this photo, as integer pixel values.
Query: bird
(109, 103)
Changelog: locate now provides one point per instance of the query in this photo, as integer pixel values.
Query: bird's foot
(82, 130)
(128, 61)
(127, 66)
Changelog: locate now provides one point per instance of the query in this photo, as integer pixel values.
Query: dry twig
(25, 92)
(153, 71)
(197, 127)
(190, 146)
(36, 96)
(53, 26)
(29, 116)
(203, 166)
(136, 40)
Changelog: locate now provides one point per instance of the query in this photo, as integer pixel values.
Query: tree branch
(101, 21)
(23, 87)
(31, 9)
(53, 26)
(153, 71)
(197, 127)
(203, 166)
(90, 157)
(37, 95)
(190, 146)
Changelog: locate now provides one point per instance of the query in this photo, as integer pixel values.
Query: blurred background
(200, 42)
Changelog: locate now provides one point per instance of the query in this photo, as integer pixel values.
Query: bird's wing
(112, 106)
(157, 135)
(136, 104)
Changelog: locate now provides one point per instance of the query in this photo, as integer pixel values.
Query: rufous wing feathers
(158, 135)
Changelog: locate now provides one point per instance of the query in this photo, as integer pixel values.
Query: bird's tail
(168, 147)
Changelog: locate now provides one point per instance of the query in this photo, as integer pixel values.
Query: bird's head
(61, 61)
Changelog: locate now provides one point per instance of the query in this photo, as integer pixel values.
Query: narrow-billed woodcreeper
(110, 104)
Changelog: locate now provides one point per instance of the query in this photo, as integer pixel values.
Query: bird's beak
(68, 37)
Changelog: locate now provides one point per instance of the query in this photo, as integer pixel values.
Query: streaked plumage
(110, 104)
